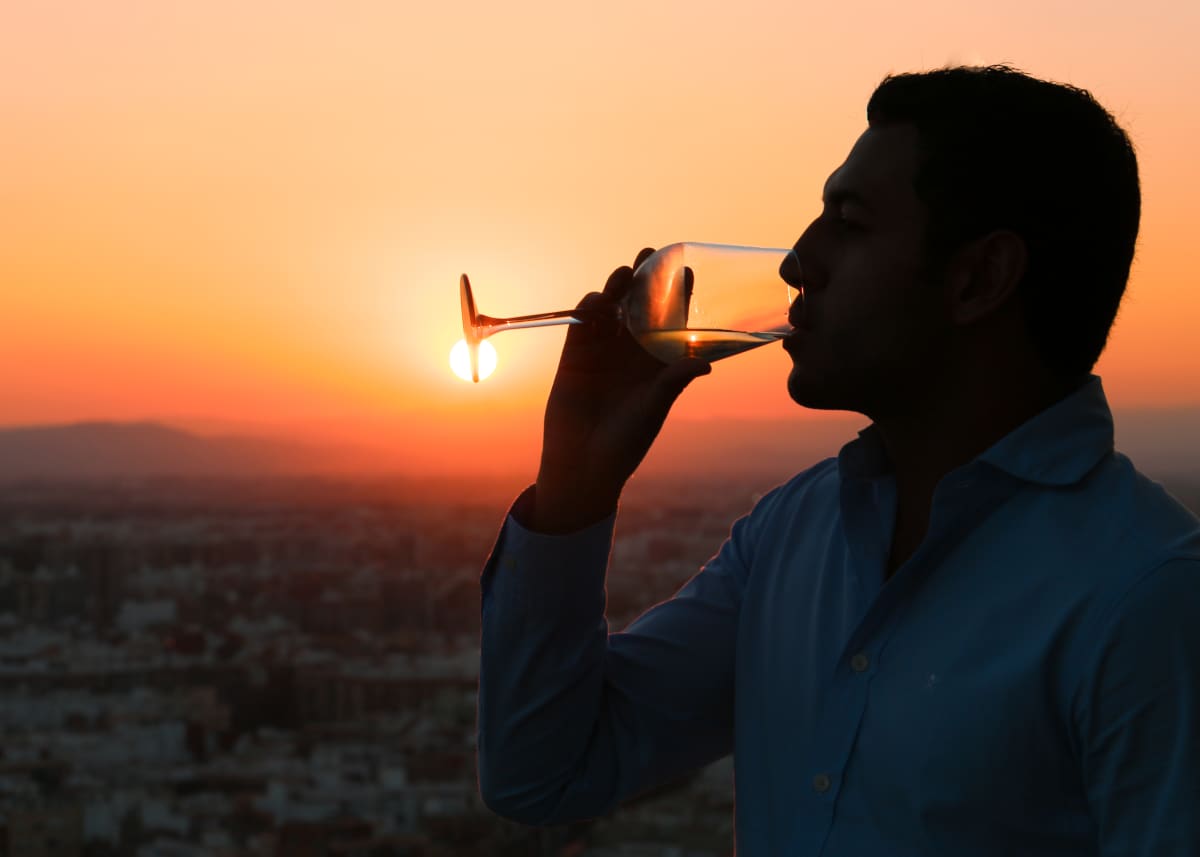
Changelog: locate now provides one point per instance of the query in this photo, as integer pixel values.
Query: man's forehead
(880, 167)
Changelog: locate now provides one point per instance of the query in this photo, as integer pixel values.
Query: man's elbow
(523, 803)
(561, 797)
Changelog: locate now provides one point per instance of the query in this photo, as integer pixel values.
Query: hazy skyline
(1160, 441)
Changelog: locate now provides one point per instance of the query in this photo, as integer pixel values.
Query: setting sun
(460, 360)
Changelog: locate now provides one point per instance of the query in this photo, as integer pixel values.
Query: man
(975, 631)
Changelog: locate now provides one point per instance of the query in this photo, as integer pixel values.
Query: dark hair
(1001, 150)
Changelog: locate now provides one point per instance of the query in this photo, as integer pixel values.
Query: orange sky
(253, 216)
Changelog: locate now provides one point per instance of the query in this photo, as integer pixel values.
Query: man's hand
(609, 399)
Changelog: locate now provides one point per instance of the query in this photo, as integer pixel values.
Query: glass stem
(489, 324)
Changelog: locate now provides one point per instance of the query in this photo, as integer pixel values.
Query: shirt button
(821, 783)
(860, 662)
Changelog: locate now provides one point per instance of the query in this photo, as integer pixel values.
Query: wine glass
(687, 300)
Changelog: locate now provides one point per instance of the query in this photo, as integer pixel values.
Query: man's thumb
(674, 379)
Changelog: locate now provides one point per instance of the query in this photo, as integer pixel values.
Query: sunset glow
(253, 216)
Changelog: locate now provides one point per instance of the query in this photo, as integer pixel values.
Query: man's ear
(984, 274)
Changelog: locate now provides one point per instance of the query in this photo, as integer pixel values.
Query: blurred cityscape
(289, 667)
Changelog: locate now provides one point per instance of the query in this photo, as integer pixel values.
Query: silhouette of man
(976, 631)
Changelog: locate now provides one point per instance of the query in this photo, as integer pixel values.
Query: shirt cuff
(538, 573)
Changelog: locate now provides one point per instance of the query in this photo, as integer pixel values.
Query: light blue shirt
(1027, 683)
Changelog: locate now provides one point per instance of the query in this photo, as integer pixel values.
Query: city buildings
(289, 668)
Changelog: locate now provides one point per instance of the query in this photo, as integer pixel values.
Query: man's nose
(791, 271)
(804, 267)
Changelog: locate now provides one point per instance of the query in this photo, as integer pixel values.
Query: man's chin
(803, 389)
(817, 394)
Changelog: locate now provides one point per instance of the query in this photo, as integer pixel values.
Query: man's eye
(846, 222)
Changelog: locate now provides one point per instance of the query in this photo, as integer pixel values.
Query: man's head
(1028, 181)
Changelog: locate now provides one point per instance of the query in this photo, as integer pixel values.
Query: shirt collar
(1058, 446)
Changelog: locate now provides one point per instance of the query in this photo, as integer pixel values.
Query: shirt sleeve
(572, 719)
(1140, 729)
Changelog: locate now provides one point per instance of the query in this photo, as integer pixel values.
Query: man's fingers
(618, 283)
(601, 322)
(621, 280)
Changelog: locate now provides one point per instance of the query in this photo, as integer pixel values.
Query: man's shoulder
(1142, 511)
(1112, 529)
(810, 494)
(818, 482)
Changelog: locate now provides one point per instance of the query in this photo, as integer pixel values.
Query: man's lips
(797, 317)
(799, 320)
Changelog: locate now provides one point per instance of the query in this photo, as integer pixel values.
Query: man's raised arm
(571, 719)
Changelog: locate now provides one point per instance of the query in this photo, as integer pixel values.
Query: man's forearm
(542, 758)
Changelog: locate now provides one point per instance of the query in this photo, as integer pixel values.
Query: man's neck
(956, 423)
(946, 431)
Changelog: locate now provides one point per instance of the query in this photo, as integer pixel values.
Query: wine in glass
(687, 300)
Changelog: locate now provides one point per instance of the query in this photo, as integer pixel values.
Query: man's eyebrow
(836, 196)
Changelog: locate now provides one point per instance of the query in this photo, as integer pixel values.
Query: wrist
(557, 509)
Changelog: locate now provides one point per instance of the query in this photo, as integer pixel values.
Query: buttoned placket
(866, 533)
(964, 502)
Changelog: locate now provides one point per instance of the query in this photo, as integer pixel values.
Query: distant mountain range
(100, 449)
(1161, 442)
